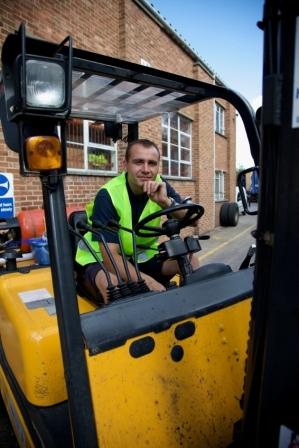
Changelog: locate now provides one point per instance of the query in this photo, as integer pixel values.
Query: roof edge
(150, 11)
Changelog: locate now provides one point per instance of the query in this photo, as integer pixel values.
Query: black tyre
(229, 214)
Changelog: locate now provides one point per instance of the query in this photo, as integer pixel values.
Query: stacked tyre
(229, 214)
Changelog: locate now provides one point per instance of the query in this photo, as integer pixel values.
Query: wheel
(171, 226)
(229, 214)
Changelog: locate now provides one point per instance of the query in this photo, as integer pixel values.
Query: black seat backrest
(75, 218)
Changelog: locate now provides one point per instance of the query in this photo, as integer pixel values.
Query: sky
(225, 35)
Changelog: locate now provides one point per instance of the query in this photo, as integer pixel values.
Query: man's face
(142, 166)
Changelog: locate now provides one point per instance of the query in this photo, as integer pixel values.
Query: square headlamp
(44, 84)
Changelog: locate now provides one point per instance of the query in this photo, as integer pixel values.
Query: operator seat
(211, 270)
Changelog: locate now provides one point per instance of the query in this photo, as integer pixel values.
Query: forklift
(210, 362)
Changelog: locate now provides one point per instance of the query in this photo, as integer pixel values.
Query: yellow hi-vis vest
(119, 196)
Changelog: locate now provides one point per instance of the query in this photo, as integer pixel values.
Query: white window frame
(86, 143)
(219, 185)
(179, 161)
(219, 119)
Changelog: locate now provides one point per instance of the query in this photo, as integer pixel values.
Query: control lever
(203, 237)
(124, 290)
(249, 255)
(11, 260)
(134, 287)
(140, 281)
(113, 293)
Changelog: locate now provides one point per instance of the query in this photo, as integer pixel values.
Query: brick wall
(120, 28)
(225, 159)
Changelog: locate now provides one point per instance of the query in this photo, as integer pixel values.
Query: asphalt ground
(228, 245)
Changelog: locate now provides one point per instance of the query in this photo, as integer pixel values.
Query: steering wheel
(173, 225)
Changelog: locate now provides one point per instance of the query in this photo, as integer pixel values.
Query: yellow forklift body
(29, 335)
(20, 430)
(156, 401)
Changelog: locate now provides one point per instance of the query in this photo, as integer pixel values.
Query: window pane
(100, 159)
(219, 185)
(185, 170)
(84, 152)
(173, 136)
(185, 154)
(164, 134)
(174, 169)
(165, 168)
(185, 140)
(74, 131)
(174, 120)
(176, 146)
(185, 125)
(219, 119)
(97, 134)
(174, 152)
(75, 155)
(165, 119)
(164, 150)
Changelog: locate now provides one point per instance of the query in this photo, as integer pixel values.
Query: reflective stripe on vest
(118, 193)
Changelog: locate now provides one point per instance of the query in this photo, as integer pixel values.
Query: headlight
(45, 84)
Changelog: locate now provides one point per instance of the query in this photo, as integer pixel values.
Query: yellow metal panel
(30, 338)
(15, 416)
(153, 401)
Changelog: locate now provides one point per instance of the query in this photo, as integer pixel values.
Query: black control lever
(246, 262)
(113, 292)
(11, 260)
(123, 288)
(116, 226)
(132, 285)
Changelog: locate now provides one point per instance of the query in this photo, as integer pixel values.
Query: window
(219, 185)
(88, 149)
(219, 119)
(176, 145)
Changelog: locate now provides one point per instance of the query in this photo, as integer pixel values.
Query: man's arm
(115, 251)
(157, 192)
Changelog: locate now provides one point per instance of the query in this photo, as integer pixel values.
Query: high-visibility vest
(118, 193)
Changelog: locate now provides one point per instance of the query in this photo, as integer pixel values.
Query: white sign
(6, 196)
(295, 119)
(34, 295)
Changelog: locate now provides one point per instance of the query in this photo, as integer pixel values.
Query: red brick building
(197, 146)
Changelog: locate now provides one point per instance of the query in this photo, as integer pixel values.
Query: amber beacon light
(43, 153)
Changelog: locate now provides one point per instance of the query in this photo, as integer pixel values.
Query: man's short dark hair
(141, 141)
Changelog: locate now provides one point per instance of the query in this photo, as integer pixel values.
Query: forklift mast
(272, 378)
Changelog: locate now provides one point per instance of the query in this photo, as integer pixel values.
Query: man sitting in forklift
(136, 193)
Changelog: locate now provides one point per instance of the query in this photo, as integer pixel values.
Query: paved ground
(228, 244)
